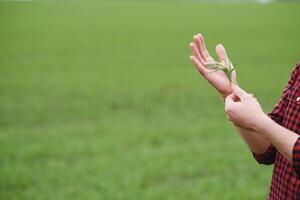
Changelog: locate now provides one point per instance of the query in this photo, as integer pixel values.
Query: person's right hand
(201, 57)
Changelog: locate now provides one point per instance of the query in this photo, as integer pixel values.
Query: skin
(200, 57)
(241, 108)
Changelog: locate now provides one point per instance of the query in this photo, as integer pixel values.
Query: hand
(243, 109)
(201, 57)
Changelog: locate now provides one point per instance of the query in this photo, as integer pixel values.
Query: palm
(201, 58)
(219, 81)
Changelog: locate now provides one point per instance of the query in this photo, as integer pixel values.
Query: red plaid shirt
(286, 176)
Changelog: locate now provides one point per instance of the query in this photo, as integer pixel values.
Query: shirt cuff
(266, 158)
(296, 157)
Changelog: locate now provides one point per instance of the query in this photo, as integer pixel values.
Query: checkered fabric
(286, 176)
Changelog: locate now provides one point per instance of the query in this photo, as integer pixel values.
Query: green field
(100, 101)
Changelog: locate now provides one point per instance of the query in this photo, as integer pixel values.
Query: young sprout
(227, 68)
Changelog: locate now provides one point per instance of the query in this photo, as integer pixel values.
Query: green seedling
(227, 68)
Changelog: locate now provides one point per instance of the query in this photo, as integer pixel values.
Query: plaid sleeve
(296, 157)
(277, 115)
(266, 158)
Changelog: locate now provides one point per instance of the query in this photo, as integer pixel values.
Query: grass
(100, 101)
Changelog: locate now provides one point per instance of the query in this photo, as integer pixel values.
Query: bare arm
(254, 140)
(200, 57)
(282, 138)
(247, 113)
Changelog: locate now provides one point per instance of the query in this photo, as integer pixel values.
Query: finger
(253, 96)
(236, 98)
(239, 91)
(199, 42)
(221, 51)
(204, 46)
(196, 53)
(233, 78)
(229, 100)
(228, 117)
(198, 65)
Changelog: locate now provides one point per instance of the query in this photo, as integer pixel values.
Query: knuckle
(248, 96)
(228, 110)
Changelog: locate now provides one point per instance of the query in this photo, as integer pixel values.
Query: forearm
(256, 143)
(282, 138)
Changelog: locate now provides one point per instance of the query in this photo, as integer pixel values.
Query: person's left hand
(243, 109)
(201, 58)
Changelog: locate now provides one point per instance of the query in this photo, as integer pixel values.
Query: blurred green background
(99, 99)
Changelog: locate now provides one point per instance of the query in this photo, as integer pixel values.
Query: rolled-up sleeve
(277, 115)
(296, 157)
(266, 158)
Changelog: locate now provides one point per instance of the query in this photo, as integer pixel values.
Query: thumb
(229, 100)
(233, 78)
(239, 92)
(221, 51)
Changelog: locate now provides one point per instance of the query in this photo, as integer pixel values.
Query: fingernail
(191, 44)
(191, 57)
(219, 46)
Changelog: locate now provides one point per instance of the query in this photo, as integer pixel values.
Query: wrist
(263, 123)
(224, 95)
